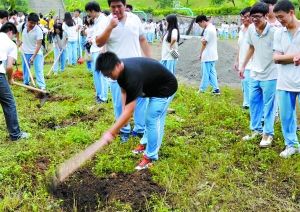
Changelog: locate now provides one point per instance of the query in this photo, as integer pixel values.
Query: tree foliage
(164, 3)
(220, 2)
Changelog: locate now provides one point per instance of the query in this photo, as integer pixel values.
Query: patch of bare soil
(90, 192)
(188, 65)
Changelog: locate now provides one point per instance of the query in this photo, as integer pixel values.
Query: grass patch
(203, 163)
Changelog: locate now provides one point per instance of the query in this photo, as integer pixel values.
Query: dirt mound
(86, 190)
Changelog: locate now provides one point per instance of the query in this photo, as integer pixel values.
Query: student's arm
(123, 119)
(102, 39)
(145, 46)
(123, 96)
(173, 37)
(37, 49)
(237, 59)
(280, 58)
(9, 69)
(249, 55)
(204, 42)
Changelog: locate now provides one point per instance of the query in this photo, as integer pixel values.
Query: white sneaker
(250, 137)
(289, 151)
(266, 141)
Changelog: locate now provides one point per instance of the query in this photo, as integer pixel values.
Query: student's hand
(32, 59)
(296, 60)
(200, 57)
(241, 72)
(11, 81)
(236, 66)
(114, 22)
(107, 137)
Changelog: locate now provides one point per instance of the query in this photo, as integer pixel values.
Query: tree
(220, 2)
(164, 3)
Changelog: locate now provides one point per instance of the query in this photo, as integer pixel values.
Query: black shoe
(136, 134)
(245, 107)
(124, 137)
(216, 92)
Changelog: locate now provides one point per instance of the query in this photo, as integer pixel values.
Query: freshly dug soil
(87, 192)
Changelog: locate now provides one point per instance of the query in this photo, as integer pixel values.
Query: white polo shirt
(210, 52)
(71, 31)
(263, 66)
(289, 74)
(99, 26)
(124, 39)
(165, 50)
(243, 48)
(29, 39)
(7, 49)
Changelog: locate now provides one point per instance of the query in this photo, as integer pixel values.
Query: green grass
(203, 163)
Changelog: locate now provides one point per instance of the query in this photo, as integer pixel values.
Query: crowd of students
(116, 48)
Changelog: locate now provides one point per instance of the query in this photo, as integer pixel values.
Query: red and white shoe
(144, 164)
(139, 149)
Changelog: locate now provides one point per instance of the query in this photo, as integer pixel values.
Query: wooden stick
(71, 165)
(31, 88)
(48, 53)
(27, 66)
(57, 59)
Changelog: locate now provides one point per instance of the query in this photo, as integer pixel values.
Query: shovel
(44, 94)
(28, 68)
(57, 59)
(74, 163)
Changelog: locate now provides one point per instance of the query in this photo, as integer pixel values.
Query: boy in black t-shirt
(140, 77)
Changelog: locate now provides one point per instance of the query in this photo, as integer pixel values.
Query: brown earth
(89, 192)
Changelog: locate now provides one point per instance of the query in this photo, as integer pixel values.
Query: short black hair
(33, 17)
(129, 6)
(260, 7)
(285, 6)
(93, 6)
(245, 10)
(269, 1)
(77, 10)
(110, 1)
(7, 27)
(3, 14)
(106, 62)
(201, 18)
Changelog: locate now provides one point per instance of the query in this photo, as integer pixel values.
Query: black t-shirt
(145, 77)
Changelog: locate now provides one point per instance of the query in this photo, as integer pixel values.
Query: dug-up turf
(86, 192)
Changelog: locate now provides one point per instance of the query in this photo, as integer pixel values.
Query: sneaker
(139, 149)
(216, 92)
(23, 135)
(245, 107)
(100, 101)
(136, 134)
(298, 128)
(124, 137)
(252, 136)
(289, 151)
(144, 164)
(266, 141)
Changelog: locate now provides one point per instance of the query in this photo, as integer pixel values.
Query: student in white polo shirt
(286, 47)
(100, 22)
(208, 55)
(243, 47)
(124, 35)
(263, 75)
(32, 37)
(79, 24)
(8, 54)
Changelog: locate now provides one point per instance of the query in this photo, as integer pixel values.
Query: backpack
(44, 35)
